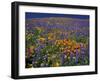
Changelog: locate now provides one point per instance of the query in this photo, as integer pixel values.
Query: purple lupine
(37, 50)
(82, 55)
(83, 50)
(77, 56)
(71, 56)
(42, 46)
(62, 58)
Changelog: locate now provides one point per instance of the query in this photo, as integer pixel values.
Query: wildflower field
(56, 40)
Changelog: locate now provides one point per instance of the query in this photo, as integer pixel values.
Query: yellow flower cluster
(51, 36)
(42, 39)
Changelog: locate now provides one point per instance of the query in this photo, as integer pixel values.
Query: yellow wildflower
(56, 64)
(42, 39)
(31, 49)
(50, 38)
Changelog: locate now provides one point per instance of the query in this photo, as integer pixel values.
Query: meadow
(56, 42)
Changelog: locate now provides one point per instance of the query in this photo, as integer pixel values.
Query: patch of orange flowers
(68, 46)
